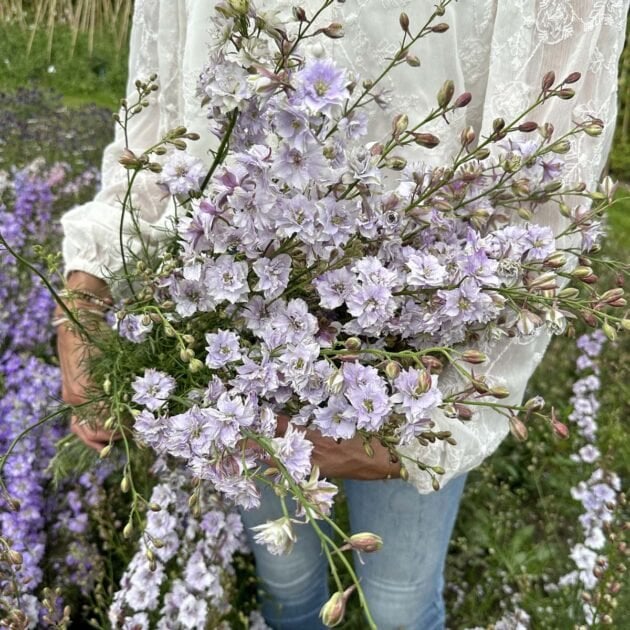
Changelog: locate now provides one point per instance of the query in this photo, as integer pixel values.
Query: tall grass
(82, 17)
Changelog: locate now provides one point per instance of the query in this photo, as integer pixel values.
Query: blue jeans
(402, 582)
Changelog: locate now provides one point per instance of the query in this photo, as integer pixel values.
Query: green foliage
(620, 161)
(82, 78)
(72, 458)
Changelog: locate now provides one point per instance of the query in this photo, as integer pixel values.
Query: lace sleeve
(529, 38)
(91, 231)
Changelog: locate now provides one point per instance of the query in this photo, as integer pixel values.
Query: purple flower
(336, 420)
(273, 275)
(223, 348)
(226, 419)
(467, 303)
(135, 328)
(227, 280)
(321, 86)
(153, 389)
(294, 450)
(182, 173)
(334, 287)
(425, 270)
(541, 242)
(299, 167)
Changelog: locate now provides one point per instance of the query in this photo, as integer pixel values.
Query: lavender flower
(153, 389)
(294, 450)
(321, 87)
(182, 173)
(223, 348)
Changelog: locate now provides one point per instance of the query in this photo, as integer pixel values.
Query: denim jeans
(403, 582)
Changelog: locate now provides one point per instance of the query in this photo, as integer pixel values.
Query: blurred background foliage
(62, 72)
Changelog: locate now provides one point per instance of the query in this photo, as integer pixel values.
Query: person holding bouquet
(496, 55)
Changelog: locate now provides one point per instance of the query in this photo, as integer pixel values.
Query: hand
(72, 350)
(348, 459)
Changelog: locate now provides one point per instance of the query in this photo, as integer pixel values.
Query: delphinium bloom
(31, 384)
(182, 571)
(599, 493)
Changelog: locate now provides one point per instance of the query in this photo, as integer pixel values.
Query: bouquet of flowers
(318, 274)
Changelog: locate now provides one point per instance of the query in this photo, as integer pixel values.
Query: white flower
(278, 536)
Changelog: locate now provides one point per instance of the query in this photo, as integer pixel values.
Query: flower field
(542, 535)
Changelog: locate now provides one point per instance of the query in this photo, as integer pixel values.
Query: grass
(81, 78)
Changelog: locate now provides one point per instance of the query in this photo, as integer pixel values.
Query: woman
(497, 51)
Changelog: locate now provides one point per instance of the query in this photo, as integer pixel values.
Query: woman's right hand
(73, 349)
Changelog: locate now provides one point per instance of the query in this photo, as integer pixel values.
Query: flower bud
(365, 541)
(463, 413)
(404, 473)
(334, 30)
(195, 366)
(442, 27)
(574, 77)
(396, 163)
(560, 429)
(124, 484)
(445, 94)
(240, 7)
(129, 159)
(426, 140)
(482, 154)
(335, 382)
(565, 94)
(392, 370)
(435, 484)
(528, 126)
(609, 331)
(625, 324)
(610, 296)
(433, 364)
(403, 20)
(518, 429)
(186, 354)
(555, 261)
(299, 14)
(462, 100)
(467, 136)
(535, 404)
(544, 281)
(569, 293)
(474, 356)
(560, 147)
(499, 392)
(424, 382)
(105, 451)
(400, 124)
(107, 386)
(15, 557)
(333, 611)
(367, 447)
(412, 61)
(581, 271)
(593, 129)
(548, 80)
(128, 530)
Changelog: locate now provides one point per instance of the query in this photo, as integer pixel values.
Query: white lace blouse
(498, 51)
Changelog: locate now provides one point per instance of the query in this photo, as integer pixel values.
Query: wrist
(83, 281)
